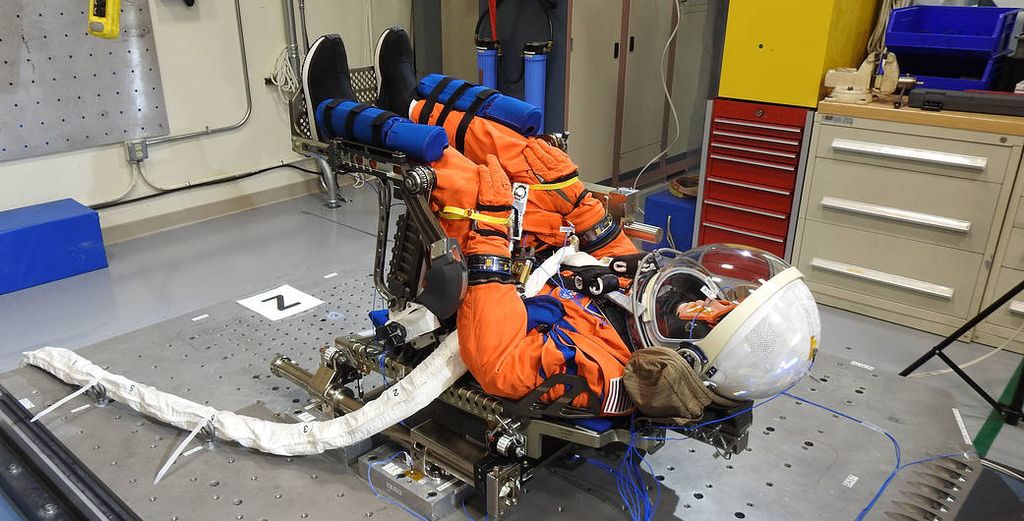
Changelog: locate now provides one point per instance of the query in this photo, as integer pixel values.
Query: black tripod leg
(963, 329)
(970, 381)
(1015, 412)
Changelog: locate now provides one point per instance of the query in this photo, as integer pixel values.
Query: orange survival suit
(510, 344)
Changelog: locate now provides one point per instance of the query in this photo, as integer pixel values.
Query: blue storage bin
(950, 30)
(47, 242)
(662, 205)
(936, 71)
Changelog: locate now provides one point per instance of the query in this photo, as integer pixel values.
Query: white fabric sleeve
(410, 394)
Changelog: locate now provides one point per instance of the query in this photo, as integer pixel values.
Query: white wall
(201, 74)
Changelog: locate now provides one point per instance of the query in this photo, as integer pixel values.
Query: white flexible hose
(980, 359)
(410, 394)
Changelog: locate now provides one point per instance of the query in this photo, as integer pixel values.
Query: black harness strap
(451, 103)
(435, 93)
(350, 119)
(377, 125)
(494, 207)
(328, 110)
(460, 133)
(579, 199)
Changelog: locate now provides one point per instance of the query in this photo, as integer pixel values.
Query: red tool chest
(752, 174)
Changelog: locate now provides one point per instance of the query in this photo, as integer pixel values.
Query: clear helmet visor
(749, 314)
(772, 348)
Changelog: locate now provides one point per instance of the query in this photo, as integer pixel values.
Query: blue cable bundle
(373, 126)
(518, 115)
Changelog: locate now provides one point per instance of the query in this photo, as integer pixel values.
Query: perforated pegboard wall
(63, 89)
(364, 84)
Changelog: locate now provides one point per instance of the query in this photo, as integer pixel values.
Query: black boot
(325, 75)
(396, 71)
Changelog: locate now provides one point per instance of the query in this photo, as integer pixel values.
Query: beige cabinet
(905, 222)
(1007, 272)
(644, 100)
(616, 108)
(593, 87)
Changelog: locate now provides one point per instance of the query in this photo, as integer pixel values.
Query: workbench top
(882, 109)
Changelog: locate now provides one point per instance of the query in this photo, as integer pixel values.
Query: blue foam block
(657, 209)
(48, 242)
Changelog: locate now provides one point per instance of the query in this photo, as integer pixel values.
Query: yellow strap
(555, 186)
(454, 212)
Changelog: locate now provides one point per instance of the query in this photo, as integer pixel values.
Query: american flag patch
(617, 401)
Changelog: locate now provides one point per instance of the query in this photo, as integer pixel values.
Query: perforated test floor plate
(63, 89)
(799, 465)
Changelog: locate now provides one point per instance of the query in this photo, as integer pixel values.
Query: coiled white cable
(284, 77)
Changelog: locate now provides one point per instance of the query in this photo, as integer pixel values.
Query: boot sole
(310, 109)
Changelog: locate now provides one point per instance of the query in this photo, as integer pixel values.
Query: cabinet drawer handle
(748, 210)
(744, 232)
(757, 138)
(911, 154)
(750, 186)
(897, 214)
(752, 162)
(1017, 307)
(764, 126)
(764, 151)
(881, 277)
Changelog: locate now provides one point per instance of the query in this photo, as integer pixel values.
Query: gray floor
(154, 278)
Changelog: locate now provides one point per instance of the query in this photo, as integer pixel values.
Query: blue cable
(896, 447)
(380, 496)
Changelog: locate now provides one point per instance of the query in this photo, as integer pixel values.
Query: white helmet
(741, 316)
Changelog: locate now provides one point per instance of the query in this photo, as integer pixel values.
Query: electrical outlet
(138, 151)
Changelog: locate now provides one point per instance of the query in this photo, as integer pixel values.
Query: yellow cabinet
(779, 51)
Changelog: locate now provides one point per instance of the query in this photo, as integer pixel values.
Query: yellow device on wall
(105, 18)
(779, 51)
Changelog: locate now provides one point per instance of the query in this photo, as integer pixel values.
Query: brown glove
(664, 387)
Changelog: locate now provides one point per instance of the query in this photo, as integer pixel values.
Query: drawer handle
(881, 277)
(897, 214)
(764, 126)
(750, 186)
(748, 210)
(757, 138)
(744, 232)
(912, 154)
(1017, 307)
(764, 151)
(752, 162)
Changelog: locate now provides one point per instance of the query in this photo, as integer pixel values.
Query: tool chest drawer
(760, 117)
(904, 203)
(749, 195)
(933, 278)
(935, 155)
(713, 233)
(726, 166)
(747, 217)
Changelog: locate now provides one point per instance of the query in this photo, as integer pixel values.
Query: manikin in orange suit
(509, 344)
